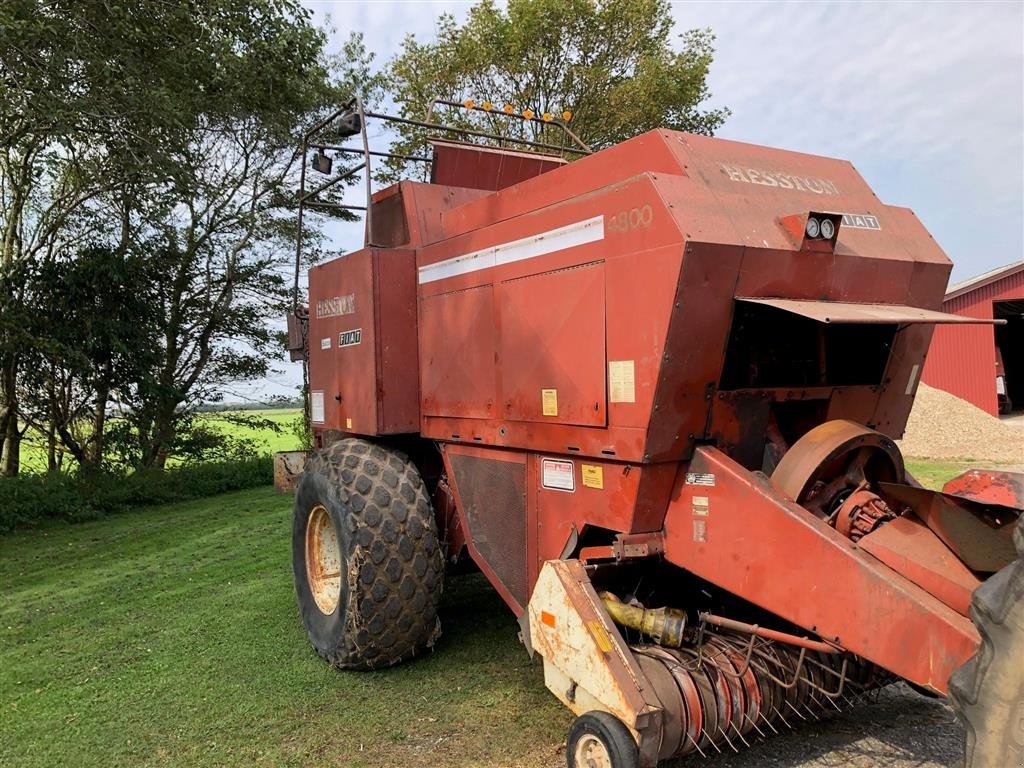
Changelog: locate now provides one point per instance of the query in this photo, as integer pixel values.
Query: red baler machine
(652, 394)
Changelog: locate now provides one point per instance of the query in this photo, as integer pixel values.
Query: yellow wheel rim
(323, 560)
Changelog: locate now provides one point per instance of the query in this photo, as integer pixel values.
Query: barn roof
(987, 278)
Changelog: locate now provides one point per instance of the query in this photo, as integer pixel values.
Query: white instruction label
(316, 407)
(700, 478)
(621, 381)
(557, 474)
(325, 343)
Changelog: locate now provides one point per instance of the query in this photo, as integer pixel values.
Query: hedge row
(29, 500)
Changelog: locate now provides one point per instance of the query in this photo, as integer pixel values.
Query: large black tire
(379, 579)
(988, 690)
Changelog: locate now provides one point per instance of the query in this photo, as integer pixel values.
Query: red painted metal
(474, 166)
(907, 546)
(575, 341)
(989, 486)
(742, 535)
(961, 359)
(365, 386)
(981, 536)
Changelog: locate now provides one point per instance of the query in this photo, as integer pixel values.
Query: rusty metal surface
(862, 312)
(748, 539)
(323, 560)
(980, 535)
(989, 486)
(832, 457)
(910, 548)
(586, 663)
(288, 469)
(769, 634)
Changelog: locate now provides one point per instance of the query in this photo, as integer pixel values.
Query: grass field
(33, 448)
(170, 637)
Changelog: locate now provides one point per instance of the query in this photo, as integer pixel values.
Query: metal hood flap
(850, 312)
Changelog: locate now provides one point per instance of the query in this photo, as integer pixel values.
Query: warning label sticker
(316, 407)
(621, 381)
(325, 343)
(549, 402)
(593, 475)
(700, 478)
(557, 474)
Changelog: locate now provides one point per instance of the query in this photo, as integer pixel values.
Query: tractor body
(678, 362)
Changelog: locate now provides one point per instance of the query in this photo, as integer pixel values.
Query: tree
(94, 336)
(105, 111)
(609, 62)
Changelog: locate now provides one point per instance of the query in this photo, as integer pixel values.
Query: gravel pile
(942, 426)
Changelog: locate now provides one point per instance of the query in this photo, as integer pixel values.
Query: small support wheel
(601, 740)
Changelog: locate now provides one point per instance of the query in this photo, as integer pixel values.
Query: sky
(926, 99)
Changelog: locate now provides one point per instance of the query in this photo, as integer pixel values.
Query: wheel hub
(591, 752)
(832, 461)
(323, 560)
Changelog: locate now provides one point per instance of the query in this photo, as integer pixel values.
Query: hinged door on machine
(362, 343)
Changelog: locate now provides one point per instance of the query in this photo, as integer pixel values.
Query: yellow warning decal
(603, 641)
(549, 402)
(593, 475)
(348, 423)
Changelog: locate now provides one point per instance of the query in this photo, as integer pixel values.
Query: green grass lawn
(267, 440)
(33, 447)
(170, 637)
(935, 474)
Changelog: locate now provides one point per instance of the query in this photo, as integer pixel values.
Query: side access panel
(362, 343)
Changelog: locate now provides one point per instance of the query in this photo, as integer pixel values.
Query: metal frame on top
(354, 106)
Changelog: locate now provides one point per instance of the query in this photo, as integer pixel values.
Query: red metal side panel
(629, 498)
(458, 376)
(397, 354)
(343, 378)
(962, 360)
(551, 349)
(734, 529)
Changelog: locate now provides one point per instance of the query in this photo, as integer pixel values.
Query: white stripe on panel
(581, 232)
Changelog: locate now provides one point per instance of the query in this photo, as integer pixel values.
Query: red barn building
(962, 359)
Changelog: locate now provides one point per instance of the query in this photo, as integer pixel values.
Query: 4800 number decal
(634, 218)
